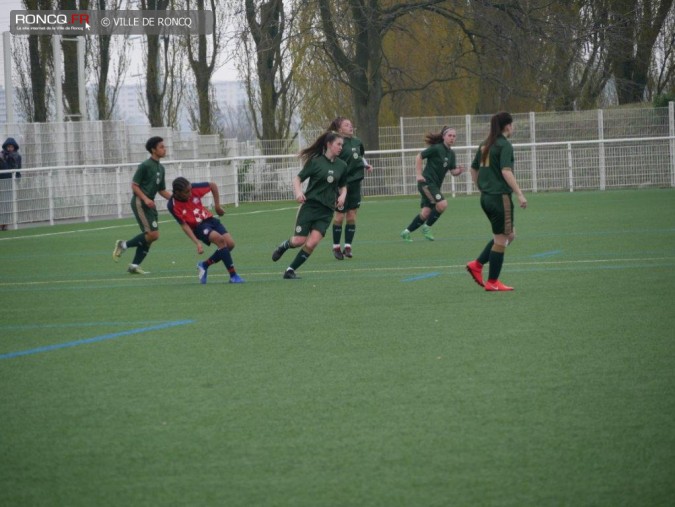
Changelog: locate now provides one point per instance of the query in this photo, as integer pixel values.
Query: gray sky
(225, 73)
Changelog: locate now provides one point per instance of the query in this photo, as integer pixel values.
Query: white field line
(134, 278)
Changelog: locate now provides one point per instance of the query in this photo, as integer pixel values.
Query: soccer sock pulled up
(350, 231)
(415, 224)
(433, 216)
(484, 256)
(337, 234)
(496, 261)
(141, 253)
(300, 259)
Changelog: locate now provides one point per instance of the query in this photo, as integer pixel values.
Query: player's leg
(147, 219)
(350, 232)
(318, 225)
(224, 242)
(501, 218)
(426, 203)
(338, 220)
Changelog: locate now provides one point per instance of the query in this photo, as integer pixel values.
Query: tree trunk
(153, 92)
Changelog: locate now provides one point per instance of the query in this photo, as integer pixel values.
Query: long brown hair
(318, 147)
(497, 124)
(337, 123)
(431, 138)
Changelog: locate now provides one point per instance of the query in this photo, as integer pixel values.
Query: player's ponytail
(497, 125)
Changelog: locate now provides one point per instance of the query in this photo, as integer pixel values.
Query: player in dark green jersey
(352, 153)
(148, 181)
(440, 159)
(492, 173)
(327, 188)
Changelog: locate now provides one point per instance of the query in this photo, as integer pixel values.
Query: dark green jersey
(325, 178)
(490, 177)
(440, 159)
(352, 153)
(150, 177)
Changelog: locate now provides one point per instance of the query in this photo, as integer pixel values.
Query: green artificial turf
(390, 379)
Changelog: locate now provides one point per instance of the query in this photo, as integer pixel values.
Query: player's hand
(220, 211)
(300, 198)
(150, 203)
(200, 248)
(341, 203)
(421, 179)
(458, 170)
(369, 168)
(523, 201)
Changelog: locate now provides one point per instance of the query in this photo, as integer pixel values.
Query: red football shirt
(191, 212)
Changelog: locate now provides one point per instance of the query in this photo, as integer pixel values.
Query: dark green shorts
(499, 210)
(312, 216)
(353, 200)
(430, 193)
(147, 218)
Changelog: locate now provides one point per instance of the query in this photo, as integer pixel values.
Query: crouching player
(199, 224)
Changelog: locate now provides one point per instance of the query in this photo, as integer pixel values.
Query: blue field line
(546, 254)
(420, 277)
(95, 339)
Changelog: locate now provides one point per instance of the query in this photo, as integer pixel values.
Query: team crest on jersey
(445, 162)
(330, 178)
(154, 223)
(195, 200)
(298, 229)
(438, 197)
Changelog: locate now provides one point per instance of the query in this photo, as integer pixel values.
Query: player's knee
(152, 236)
(441, 206)
(424, 214)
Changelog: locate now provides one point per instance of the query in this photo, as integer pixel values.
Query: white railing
(88, 192)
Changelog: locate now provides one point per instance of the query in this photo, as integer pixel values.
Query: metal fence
(589, 150)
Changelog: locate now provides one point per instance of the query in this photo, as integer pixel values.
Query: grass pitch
(388, 379)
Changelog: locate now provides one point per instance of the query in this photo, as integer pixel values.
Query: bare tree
(35, 70)
(632, 30)
(269, 66)
(109, 61)
(353, 34)
(203, 64)
(71, 95)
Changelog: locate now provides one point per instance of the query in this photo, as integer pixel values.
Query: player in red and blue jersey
(199, 224)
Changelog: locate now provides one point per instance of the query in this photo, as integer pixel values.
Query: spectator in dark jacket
(9, 159)
(11, 156)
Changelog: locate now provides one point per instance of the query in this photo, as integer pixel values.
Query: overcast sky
(6, 6)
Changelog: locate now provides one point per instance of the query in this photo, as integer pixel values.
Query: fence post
(86, 195)
(601, 150)
(50, 193)
(15, 203)
(671, 133)
(405, 186)
(467, 127)
(533, 151)
(570, 175)
(118, 186)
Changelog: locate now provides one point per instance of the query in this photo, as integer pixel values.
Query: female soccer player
(199, 224)
(492, 173)
(327, 176)
(440, 159)
(352, 153)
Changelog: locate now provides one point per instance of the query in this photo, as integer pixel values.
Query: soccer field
(389, 379)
